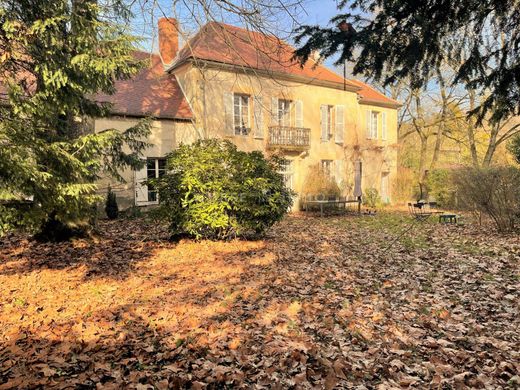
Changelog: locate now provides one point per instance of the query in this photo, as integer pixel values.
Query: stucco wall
(163, 139)
(205, 89)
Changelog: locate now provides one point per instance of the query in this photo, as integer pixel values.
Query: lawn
(338, 302)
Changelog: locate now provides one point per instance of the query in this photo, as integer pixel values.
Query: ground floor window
(155, 168)
(327, 167)
(287, 171)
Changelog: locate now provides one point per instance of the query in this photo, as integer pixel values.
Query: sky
(312, 12)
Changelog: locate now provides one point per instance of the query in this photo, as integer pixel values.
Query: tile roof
(369, 95)
(227, 44)
(151, 92)
(222, 43)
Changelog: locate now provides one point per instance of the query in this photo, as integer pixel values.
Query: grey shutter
(358, 174)
(340, 124)
(141, 189)
(298, 109)
(369, 124)
(324, 133)
(384, 130)
(229, 126)
(274, 111)
(258, 122)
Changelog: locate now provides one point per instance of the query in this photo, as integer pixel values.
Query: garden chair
(419, 211)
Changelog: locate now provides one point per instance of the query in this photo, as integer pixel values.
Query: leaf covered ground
(372, 302)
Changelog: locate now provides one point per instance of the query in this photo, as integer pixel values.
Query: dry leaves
(319, 303)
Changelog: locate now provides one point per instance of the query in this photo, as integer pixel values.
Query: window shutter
(369, 124)
(298, 108)
(229, 114)
(340, 123)
(324, 133)
(141, 189)
(384, 134)
(358, 174)
(274, 111)
(258, 118)
(340, 171)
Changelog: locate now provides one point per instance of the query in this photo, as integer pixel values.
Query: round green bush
(213, 190)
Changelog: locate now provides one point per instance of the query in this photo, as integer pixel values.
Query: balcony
(289, 138)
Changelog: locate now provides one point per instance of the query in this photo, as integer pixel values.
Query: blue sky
(313, 12)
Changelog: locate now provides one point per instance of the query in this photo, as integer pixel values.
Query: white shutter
(298, 109)
(274, 111)
(258, 117)
(340, 123)
(384, 134)
(141, 189)
(229, 114)
(324, 132)
(369, 124)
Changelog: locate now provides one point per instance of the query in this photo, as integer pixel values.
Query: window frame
(327, 166)
(287, 171)
(374, 130)
(153, 195)
(241, 129)
(287, 122)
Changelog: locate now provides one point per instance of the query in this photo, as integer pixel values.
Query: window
(241, 114)
(286, 170)
(373, 124)
(155, 168)
(327, 167)
(327, 122)
(284, 112)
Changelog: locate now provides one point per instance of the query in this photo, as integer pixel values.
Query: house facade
(227, 82)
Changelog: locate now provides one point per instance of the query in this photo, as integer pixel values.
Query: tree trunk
(492, 146)
(471, 131)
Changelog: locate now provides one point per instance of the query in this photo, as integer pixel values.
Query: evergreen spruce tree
(111, 207)
(391, 40)
(55, 56)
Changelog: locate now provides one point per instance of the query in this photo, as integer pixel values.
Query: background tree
(54, 58)
(408, 38)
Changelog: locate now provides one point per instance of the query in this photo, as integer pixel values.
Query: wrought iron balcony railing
(286, 137)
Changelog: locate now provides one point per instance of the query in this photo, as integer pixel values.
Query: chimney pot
(168, 39)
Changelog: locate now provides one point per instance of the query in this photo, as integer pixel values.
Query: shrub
(403, 185)
(441, 187)
(494, 191)
(371, 198)
(212, 190)
(318, 182)
(111, 208)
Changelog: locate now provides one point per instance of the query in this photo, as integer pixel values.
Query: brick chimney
(168, 39)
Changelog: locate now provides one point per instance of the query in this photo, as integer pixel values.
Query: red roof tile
(227, 44)
(370, 95)
(151, 92)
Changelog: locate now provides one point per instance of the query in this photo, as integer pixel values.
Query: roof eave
(379, 103)
(261, 72)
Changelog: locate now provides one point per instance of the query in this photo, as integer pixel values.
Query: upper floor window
(241, 114)
(372, 124)
(284, 112)
(327, 122)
